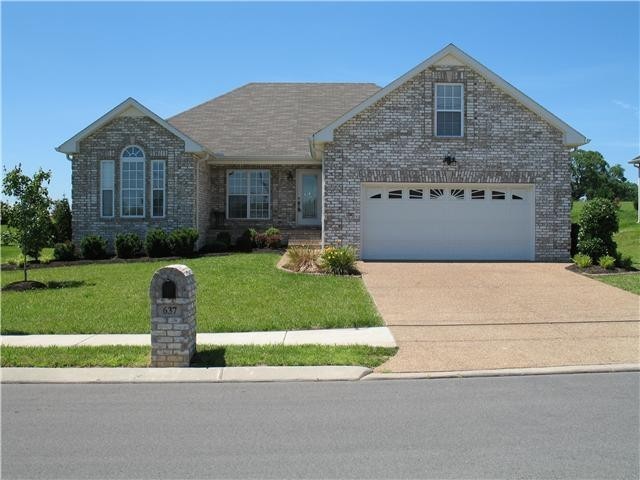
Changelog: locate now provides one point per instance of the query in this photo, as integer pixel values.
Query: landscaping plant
(61, 220)
(607, 262)
(339, 260)
(303, 258)
(30, 213)
(156, 243)
(93, 247)
(128, 245)
(224, 237)
(244, 242)
(183, 242)
(215, 247)
(582, 261)
(598, 222)
(64, 251)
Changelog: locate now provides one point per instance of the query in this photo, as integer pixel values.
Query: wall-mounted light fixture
(449, 159)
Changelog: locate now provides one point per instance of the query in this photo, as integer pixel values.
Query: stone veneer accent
(173, 318)
(283, 196)
(186, 180)
(394, 141)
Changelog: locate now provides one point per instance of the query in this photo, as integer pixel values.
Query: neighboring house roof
(636, 161)
(456, 56)
(269, 119)
(129, 106)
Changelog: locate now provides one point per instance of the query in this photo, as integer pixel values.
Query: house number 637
(169, 310)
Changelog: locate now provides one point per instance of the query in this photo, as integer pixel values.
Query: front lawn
(207, 356)
(628, 282)
(628, 237)
(236, 293)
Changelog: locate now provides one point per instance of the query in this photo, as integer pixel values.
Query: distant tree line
(593, 177)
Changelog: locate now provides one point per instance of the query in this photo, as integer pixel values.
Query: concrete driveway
(468, 316)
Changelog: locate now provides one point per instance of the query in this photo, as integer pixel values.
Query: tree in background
(5, 212)
(61, 221)
(30, 212)
(592, 176)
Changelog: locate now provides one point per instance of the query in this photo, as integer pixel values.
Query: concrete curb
(182, 375)
(507, 372)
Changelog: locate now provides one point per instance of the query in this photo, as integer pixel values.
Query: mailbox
(173, 316)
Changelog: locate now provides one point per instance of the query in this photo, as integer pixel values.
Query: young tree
(30, 212)
(61, 220)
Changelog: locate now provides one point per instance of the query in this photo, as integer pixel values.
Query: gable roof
(572, 137)
(269, 119)
(71, 145)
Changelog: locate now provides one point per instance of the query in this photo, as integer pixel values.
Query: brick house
(448, 162)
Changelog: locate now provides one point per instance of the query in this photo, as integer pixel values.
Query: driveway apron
(468, 316)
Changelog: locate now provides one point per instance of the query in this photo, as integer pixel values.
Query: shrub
(339, 260)
(598, 222)
(607, 261)
(303, 258)
(64, 251)
(272, 241)
(624, 262)
(271, 231)
(183, 241)
(93, 247)
(260, 240)
(215, 247)
(128, 245)
(156, 243)
(244, 243)
(61, 220)
(251, 233)
(582, 261)
(224, 237)
(575, 230)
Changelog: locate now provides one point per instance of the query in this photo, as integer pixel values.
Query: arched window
(132, 182)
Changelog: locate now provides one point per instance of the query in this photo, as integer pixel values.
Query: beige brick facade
(503, 142)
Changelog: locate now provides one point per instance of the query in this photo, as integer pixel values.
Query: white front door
(309, 197)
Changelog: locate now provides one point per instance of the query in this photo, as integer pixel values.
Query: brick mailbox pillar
(173, 316)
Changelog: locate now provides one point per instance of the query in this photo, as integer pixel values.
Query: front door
(309, 201)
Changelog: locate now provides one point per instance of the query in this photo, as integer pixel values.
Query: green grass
(207, 356)
(235, 293)
(628, 282)
(11, 253)
(628, 237)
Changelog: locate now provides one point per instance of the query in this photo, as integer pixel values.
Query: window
(395, 194)
(107, 181)
(449, 110)
(248, 193)
(158, 176)
(132, 182)
(497, 195)
(457, 193)
(477, 194)
(516, 197)
(415, 194)
(435, 193)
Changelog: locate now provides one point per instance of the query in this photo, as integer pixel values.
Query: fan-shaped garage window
(395, 193)
(457, 193)
(435, 193)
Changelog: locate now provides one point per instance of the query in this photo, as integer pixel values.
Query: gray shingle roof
(270, 119)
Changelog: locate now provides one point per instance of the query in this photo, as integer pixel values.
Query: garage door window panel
(395, 194)
(415, 194)
(477, 194)
(436, 193)
(498, 195)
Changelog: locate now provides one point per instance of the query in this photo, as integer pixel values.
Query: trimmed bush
(244, 243)
(183, 241)
(64, 251)
(624, 262)
(339, 260)
(156, 243)
(224, 237)
(582, 261)
(598, 222)
(128, 245)
(607, 262)
(260, 240)
(93, 247)
(215, 247)
(272, 231)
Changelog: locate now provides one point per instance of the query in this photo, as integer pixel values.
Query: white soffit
(452, 55)
(129, 108)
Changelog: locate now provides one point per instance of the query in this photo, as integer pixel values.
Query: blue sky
(66, 64)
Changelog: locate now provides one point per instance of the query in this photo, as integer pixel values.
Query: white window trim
(113, 189)
(144, 181)
(248, 170)
(164, 188)
(435, 104)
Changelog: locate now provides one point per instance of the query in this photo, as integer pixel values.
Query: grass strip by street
(235, 293)
(628, 282)
(207, 356)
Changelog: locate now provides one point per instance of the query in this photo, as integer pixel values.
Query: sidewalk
(375, 337)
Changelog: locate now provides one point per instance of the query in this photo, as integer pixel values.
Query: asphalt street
(556, 426)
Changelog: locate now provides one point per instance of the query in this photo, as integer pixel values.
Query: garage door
(447, 222)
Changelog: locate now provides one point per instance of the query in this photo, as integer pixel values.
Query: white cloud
(625, 105)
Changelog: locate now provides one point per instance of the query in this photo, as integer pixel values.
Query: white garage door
(447, 222)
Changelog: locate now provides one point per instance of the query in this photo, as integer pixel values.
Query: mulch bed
(23, 286)
(598, 270)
